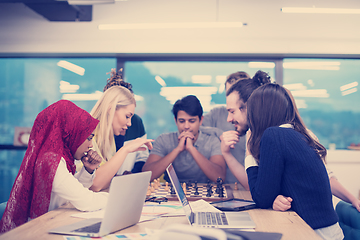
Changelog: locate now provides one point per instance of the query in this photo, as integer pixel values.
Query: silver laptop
(126, 199)
(208, 219)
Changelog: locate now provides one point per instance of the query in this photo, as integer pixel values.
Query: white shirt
(74, 189)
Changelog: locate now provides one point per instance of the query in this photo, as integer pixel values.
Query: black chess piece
(172, 190)
(221, 192)
(209, 192)
(188, 185)
(196, 191)
(195, 184)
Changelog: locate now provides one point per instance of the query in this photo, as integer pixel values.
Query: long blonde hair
(104, 110)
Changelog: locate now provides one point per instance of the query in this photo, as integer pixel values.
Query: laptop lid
(180, 193)
(126, 199)
(234, 219)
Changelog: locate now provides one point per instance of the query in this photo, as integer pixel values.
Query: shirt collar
(286, 125)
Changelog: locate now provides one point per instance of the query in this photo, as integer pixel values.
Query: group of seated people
(258, 140)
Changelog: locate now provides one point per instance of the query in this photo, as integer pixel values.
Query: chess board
(202, 189)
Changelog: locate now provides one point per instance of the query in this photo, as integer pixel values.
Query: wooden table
(288, 223)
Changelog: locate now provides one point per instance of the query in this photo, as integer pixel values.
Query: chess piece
(236, 187)
(209, 192)
(148, 193)
(184, 187)
(196, 191)
(172, 190)
(195, 184)
(166, 186)
(152, 189)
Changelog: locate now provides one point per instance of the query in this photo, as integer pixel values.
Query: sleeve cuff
(250, 162)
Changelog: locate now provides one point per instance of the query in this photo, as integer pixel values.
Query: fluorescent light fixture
(183, 91)
(300, 103)
(312, 65)
(201, 79)
(295, 86)
(319, 93)
(83, 97)
(71, 67)
(348, 86)
(221, 88)
(221, 78)
(185, 25)
(66, 87)
(347, 92)
(261, 65)
(320, 10)
(160, 81)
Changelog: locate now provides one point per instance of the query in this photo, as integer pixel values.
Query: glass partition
(157, 85)
(31, 84)
(326, 93)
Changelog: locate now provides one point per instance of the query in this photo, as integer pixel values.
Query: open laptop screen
(179, 191)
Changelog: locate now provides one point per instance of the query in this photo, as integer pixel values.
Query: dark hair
(116, 79)
(234, 77)
(245, 87)
(271, 105)
(189, 104)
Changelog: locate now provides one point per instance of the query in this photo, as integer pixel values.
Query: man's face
(237, 113)
(188, 123)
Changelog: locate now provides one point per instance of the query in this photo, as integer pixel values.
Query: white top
(74, 189)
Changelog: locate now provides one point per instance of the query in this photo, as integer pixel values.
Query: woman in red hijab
(61, 133)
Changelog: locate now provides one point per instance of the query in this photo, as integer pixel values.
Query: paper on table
(203, 206)
(100, 214)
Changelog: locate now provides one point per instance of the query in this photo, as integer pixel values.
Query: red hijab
(57, 132)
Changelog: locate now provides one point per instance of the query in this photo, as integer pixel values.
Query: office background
(42, 60)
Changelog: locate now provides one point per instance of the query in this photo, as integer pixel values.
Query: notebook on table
(208, 219)
(126, 199)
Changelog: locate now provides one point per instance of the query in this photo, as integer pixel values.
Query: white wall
(346, 166)
(268, 30)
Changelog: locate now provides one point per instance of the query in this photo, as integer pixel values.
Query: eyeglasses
(157, 199)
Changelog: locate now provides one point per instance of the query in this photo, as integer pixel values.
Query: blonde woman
(114, 110)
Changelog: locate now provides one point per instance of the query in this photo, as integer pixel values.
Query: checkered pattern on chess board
(202, 189)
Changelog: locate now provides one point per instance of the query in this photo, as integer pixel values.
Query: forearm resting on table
(237, 169)
(108, 170)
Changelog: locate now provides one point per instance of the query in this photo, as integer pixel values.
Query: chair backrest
(349, 220)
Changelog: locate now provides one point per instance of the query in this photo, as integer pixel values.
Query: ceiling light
(320, 10)
(261, 65)
(82, 97)
(160, 81)
(295, 86)
(71, 67)
(220, 78)
(348, 86)
(170, 25)
(312, 65)
(201, 79)
(320, 93)
(347, 92)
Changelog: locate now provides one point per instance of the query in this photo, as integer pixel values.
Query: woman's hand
(91, 161)
(282, 203)
(137, 145)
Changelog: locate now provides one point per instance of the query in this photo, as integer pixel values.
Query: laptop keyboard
(212, 218)
(94, 228)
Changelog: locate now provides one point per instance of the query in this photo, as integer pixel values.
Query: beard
(241, 129)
